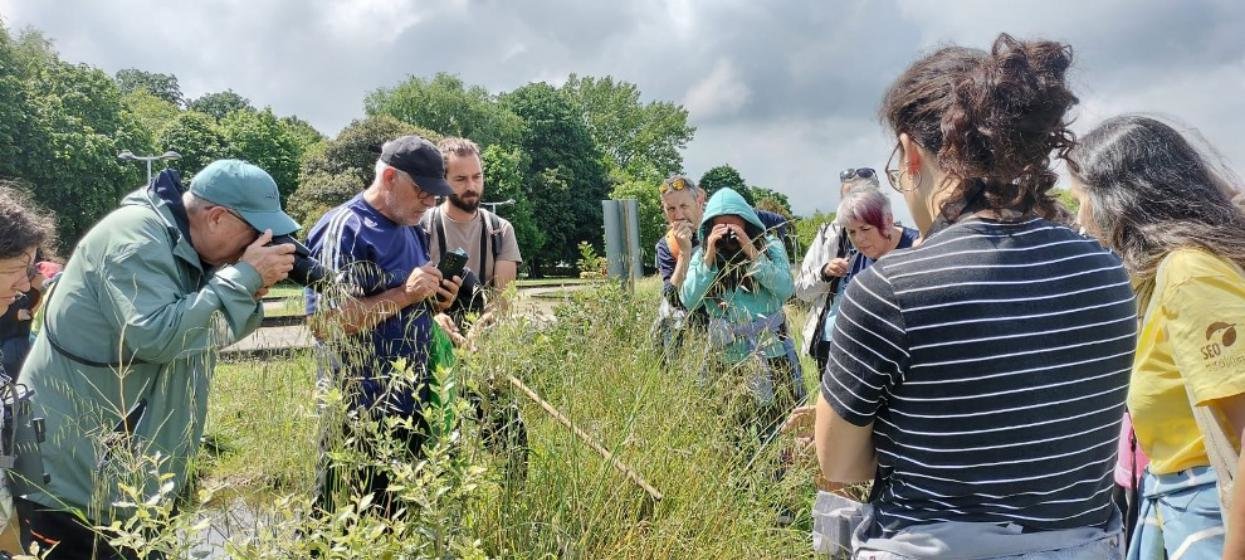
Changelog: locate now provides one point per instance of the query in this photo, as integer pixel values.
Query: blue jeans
(1180, 517)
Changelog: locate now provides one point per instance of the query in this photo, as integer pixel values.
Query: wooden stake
(600, 449)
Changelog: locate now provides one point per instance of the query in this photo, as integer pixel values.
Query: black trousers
(339, 482)
(821, 354)
(65, 535)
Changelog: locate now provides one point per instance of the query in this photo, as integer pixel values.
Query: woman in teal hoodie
(742, 277)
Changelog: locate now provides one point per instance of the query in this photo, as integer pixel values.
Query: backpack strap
(490, 240)
(494, 224)
(438, 227)
(484, 235)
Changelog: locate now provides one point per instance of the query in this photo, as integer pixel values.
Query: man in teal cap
(121, 368)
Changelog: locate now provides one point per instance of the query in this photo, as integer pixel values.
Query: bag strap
(484, 245)
(438, 225)
(47, 332)
(495, 233)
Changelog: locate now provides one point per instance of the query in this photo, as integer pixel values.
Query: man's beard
(466, 206)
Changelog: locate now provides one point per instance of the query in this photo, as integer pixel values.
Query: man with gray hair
(827, 266)
(121, 367)
(389, 297)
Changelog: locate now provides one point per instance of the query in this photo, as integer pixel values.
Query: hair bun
(993, 118)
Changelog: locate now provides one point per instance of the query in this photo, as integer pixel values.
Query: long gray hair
(1153, 192)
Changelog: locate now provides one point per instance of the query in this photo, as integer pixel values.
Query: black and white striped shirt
(994, 362)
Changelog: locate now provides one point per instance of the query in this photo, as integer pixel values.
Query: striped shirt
(993, 361)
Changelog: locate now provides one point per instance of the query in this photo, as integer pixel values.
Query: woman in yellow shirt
(1146, 193)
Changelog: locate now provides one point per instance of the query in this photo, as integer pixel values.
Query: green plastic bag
(441, 362)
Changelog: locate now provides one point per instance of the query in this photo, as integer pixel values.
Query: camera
(452, 263)
(729, 243)
(307, 271)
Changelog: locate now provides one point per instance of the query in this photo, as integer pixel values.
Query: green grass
(263, 421)
(288, 307)
(285, 290)
(597, 365)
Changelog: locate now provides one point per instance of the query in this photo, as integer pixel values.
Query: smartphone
(452, 263)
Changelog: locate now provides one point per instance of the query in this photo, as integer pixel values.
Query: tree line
(555, 150)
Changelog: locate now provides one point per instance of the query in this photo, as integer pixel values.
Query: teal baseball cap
(247, 190)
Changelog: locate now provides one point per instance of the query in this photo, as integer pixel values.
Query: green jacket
(770, 273)
(134, 291)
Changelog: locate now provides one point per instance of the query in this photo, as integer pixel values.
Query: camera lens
(307, 271)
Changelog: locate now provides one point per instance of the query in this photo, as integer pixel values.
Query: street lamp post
(493, 205)
(127, 155)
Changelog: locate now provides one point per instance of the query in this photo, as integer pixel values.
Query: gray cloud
(786, 91)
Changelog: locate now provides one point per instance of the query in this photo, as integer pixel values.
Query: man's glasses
(849, 173)
(675, 185)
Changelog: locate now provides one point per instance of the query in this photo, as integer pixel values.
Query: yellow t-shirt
(1195, 335)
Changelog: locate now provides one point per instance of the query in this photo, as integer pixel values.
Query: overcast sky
(785, 91)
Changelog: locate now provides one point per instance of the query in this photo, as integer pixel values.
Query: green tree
(19, 129)
(318, 193)
(335, 170)
(152, 113)
(164, 86)
(652, 221)
(772, 201)
(445, 105)
(725, 176)
(75, 170)
(356, 147)
(1064, 197)
(569, 180)
(219, 104)
(199, 140)
(806, 229)
(505, 179)
(302, 132)
(260, 138)
(642, 140)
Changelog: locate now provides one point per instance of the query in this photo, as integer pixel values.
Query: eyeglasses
(240, 218)
(893, 174)
(675, 185)
(863, 173)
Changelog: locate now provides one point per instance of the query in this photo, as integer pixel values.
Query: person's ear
(214, 215)
(912, 155)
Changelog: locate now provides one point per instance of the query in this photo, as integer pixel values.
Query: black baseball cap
(420, 159)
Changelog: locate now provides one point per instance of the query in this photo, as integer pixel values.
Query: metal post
(614, 239)
(127, 155)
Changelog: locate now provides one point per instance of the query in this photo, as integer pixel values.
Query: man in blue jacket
(385, 306)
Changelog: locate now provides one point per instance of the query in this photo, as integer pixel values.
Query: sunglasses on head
(675, 185)
(863, 173)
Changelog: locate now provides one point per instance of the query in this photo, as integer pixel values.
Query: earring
(916, 181)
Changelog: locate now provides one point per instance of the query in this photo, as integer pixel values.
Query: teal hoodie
(770, 271)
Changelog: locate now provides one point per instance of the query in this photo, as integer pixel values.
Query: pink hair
(869, 206)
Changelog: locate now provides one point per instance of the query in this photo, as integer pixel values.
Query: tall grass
(674, 421)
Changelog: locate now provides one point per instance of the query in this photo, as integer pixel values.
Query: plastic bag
(834, 520)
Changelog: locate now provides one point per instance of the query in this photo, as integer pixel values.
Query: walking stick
(600, 449)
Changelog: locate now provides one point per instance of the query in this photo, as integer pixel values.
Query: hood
(728, 202)
(164, 195)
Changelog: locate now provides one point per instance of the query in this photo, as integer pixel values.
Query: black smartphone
(452, 263)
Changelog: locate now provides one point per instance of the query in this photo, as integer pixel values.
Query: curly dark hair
(992, 119)
(23, 225)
